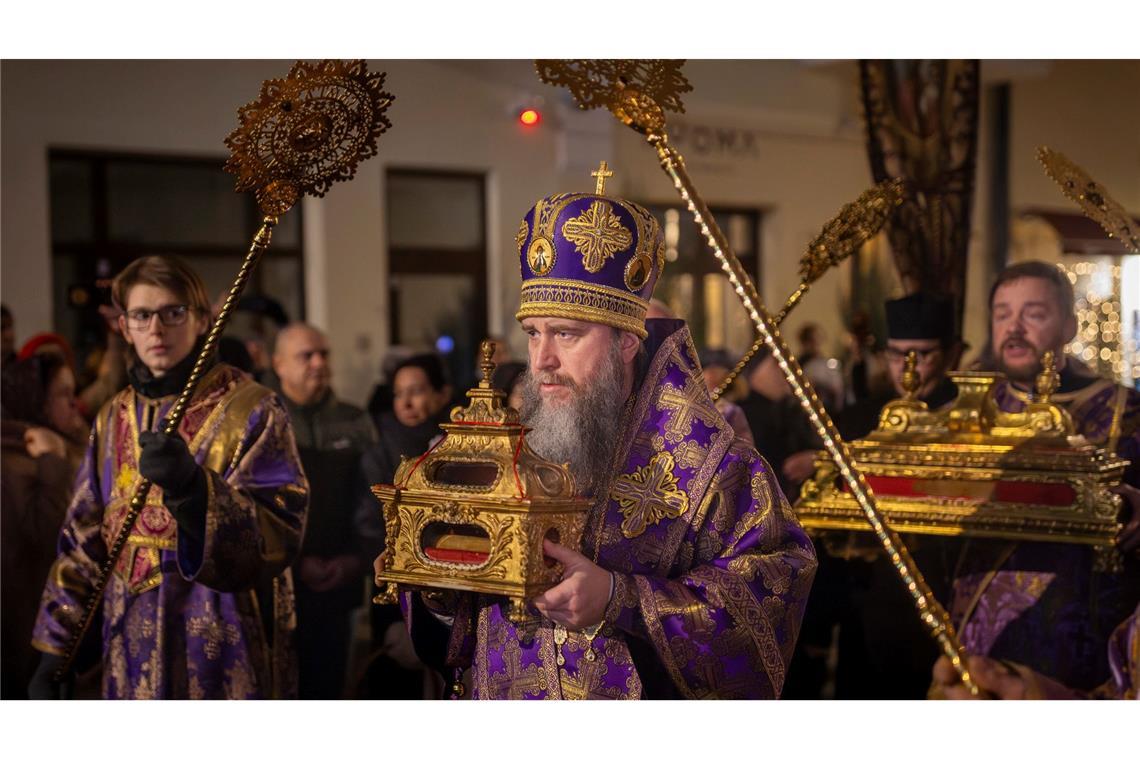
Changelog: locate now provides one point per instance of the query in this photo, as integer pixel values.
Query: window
(438, 264)
(693, 283)
(108, 209)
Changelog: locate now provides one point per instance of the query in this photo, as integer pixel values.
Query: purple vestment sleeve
(255, 515)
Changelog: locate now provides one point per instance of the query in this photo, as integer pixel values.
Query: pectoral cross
(602, 174)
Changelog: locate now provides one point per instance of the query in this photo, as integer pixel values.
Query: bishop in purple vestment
(693, 571)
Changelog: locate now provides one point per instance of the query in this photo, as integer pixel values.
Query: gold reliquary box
(973, 470)
(471, 514)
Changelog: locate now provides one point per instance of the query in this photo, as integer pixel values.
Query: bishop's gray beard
(583, 431)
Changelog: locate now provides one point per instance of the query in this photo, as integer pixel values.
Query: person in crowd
(43, 437)
(884, 651)
(199, 604)
(421, 396)
(866, 364)
(783, 434)
(693, 570)
(509, 377)
(715, 366)
(1049, 606)
(331, 436)
(380, 400)
(922, 323)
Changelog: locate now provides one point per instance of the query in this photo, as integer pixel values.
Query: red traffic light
(529, 117)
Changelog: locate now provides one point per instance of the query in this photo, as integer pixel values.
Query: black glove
(43, 684)
(166, 462)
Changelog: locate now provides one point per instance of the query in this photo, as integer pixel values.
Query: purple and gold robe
(1043, 604)
(712, 570)
(185, 621)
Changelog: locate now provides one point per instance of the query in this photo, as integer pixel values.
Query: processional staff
(302, 134)
(637, 93)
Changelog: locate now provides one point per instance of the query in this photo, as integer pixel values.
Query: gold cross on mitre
(602, 174)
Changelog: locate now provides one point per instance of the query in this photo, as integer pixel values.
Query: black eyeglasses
(170, 316)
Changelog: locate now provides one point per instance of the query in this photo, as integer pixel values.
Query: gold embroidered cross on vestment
(649, 495)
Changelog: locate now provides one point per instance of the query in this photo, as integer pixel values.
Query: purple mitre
(590, 257)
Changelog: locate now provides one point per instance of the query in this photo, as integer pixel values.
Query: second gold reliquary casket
(973, 470)
(471, 514)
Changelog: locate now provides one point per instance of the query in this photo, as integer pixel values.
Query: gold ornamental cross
(597, 234)
(649, 495)
(602, 174)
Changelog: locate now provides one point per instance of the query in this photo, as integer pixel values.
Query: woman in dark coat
(42, 437)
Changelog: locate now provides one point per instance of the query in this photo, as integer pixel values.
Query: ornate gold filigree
(637, 92)
(649, 495)
(597, 234)
(1091, 196)
(308, 130)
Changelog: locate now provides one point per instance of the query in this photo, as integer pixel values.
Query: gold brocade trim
(583, 313)
(631, 301)
(577, 300)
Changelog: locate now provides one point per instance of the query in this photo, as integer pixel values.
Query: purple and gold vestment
(182, 621)
(1043, 604)
(712, 570)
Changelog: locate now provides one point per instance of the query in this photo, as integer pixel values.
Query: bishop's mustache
(550, 377)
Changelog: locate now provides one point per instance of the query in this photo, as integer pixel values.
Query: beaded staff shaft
(303, 133)
(636, 92)
(856, 223)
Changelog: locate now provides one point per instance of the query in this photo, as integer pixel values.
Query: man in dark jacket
(331, 435)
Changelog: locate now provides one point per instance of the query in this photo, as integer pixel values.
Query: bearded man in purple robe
(1049, 606)
(693, 571)
(200, 602)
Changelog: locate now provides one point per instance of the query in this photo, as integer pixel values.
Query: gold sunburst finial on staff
(1091, 196)
(637, 92)
(602, 174)
(855, 224)
(307, 131)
